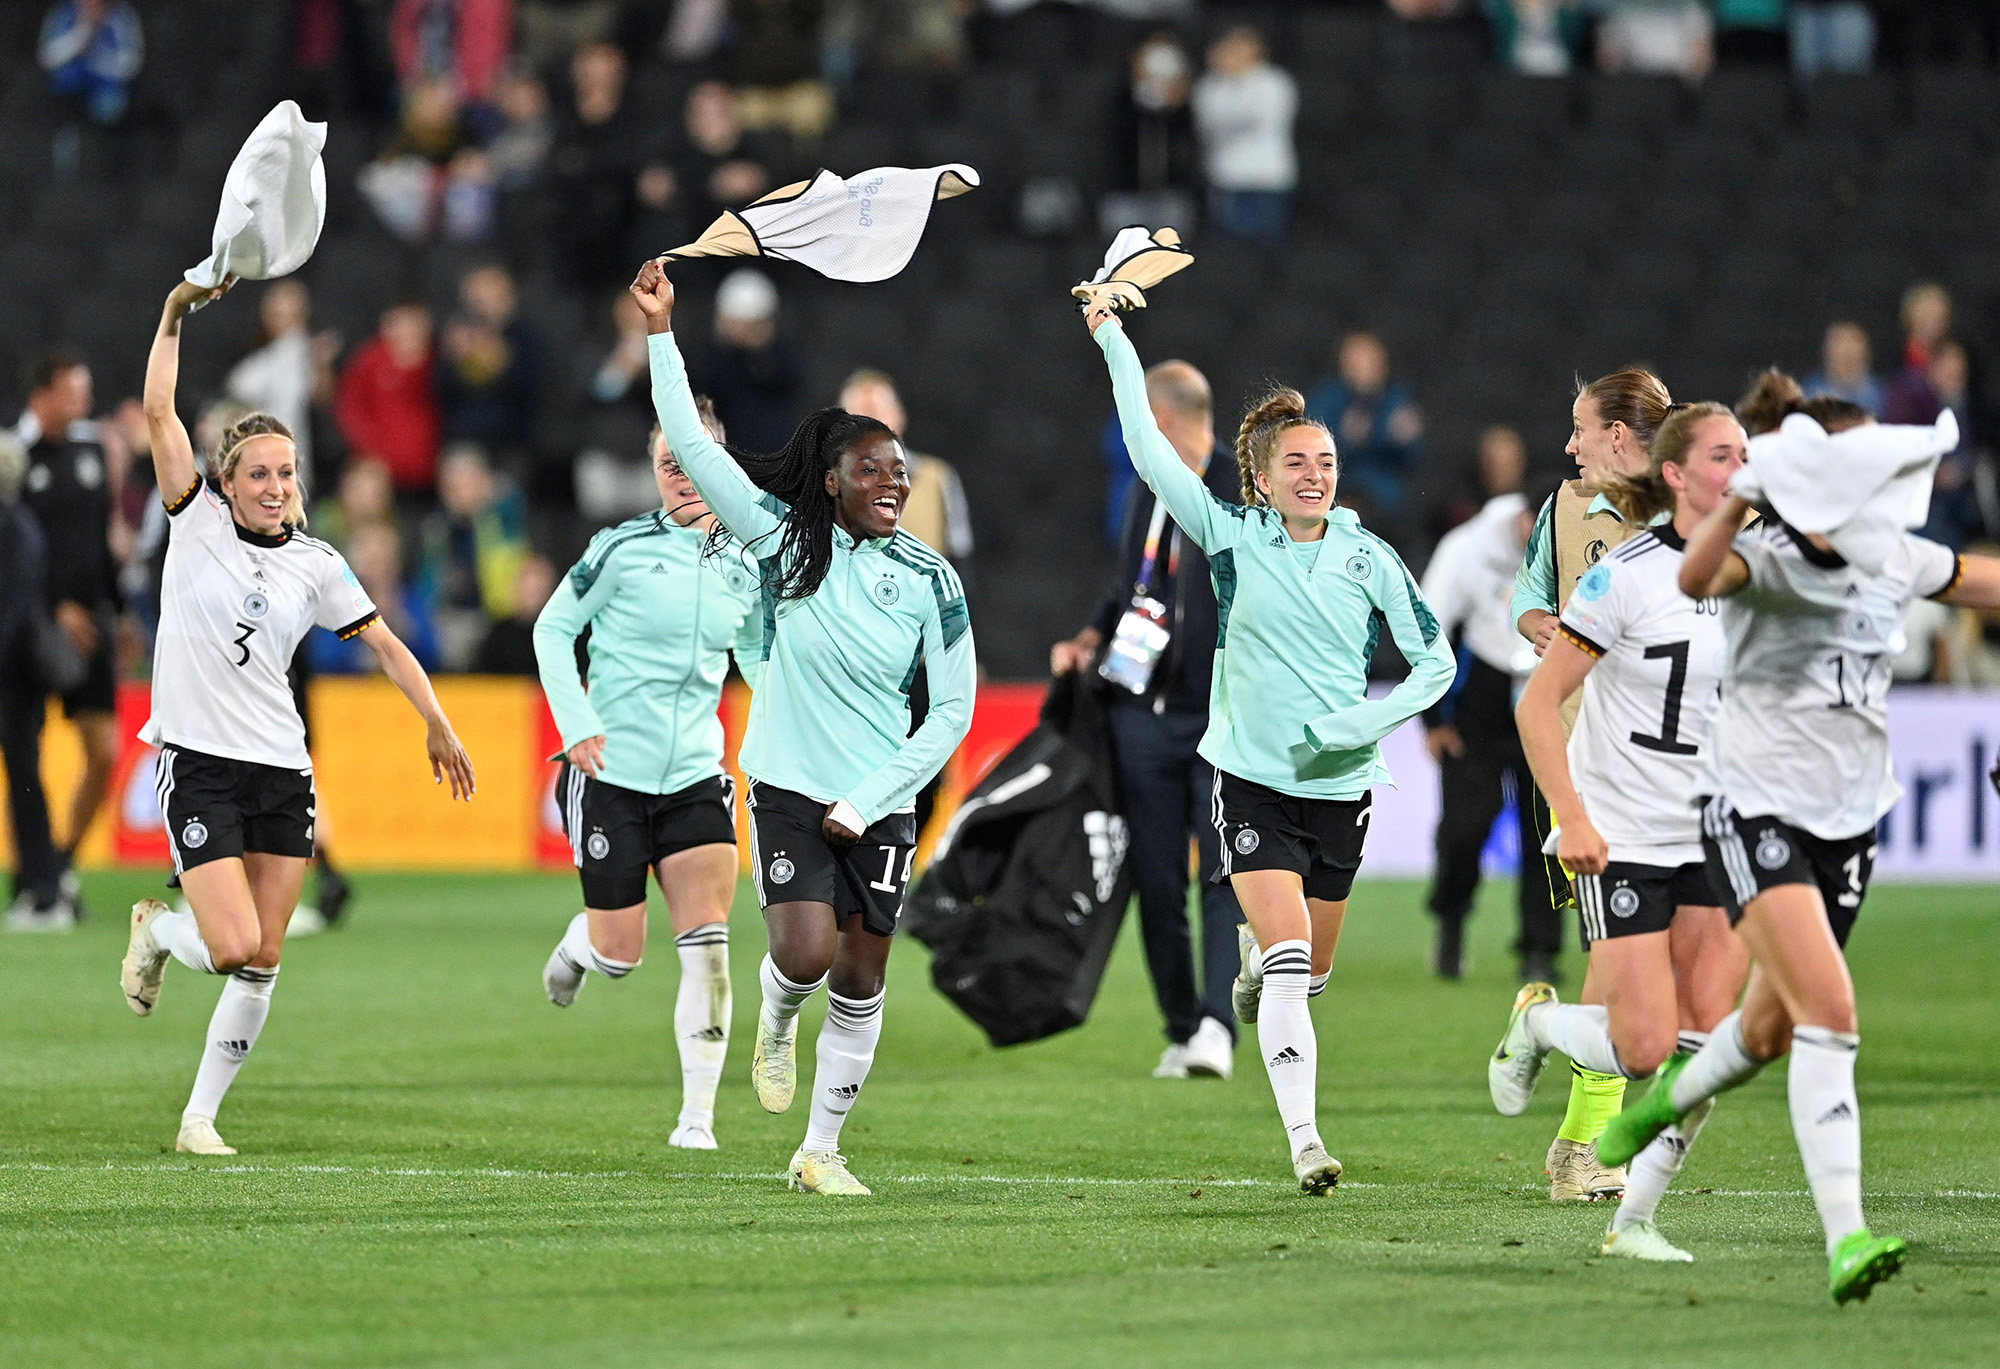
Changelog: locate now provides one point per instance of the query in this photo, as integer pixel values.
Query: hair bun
(1771, 399)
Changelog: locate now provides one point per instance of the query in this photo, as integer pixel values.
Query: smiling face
(870, 484)
(264, 484)
(678, 495)
(1302, 475)
(1716, 453)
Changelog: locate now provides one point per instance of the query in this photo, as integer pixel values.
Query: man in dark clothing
(68, 490)
(753, 374)
(38, 902)
(1164, 785)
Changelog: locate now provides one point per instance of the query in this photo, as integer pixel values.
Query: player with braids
(852, 607)
(1302, 593)
(1663, 963)
(242, 585)
(1614, 420)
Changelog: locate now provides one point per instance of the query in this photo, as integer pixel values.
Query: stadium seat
(1965, 101)
(1336, 40)
(1863, 106)
(1643, 107)
(1418, 102)
(1523, 106)
(1745, 103)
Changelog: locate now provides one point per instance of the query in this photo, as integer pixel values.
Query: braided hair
(1281, 409)
(796, 475)
(229, 451)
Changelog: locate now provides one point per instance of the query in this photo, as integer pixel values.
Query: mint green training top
(662, 614)
(1299, 622)
(831, 715)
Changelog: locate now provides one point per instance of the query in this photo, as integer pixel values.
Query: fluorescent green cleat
(1632, 1130)
(1861, 1261)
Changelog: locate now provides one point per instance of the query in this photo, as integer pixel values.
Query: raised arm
(1710, 568)
(951, 671)
(1208, 520)
(1546, 742)
(748, 512)
(1424, 645)
(173, 453)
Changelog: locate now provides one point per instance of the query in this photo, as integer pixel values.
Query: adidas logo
(235, 1050)
(709, 1034)
(659, 568)
(844, 1092)
(1288, 1056)
(1839, 1112)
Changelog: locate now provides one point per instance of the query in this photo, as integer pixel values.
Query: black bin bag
(1026, 891)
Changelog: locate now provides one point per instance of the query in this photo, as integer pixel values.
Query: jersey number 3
(1670, 720)
(243, 644)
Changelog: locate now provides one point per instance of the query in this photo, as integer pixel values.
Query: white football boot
(1318, 1172)
(824, 1171)
(1210, 1053)
(145, 964)
(1643, 1241)
(198, 1138)
(774, 1066)
(1517, 1062)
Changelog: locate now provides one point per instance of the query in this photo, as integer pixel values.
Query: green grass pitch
(439, 1168)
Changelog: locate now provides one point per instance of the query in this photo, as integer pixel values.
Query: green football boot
(1861, 1261)
(1632, 1130)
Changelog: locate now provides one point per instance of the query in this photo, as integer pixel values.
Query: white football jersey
(234, 606)
(1636, 753)
(1803, 731)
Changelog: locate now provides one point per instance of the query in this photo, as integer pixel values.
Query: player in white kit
(1801, 776)
(242, 586)
(1624, 794)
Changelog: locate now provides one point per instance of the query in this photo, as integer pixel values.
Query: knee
(802, 961)
(855, 981)
(230, 951)
(1646, 1052)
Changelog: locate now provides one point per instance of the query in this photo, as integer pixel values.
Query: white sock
(1653, 1169)
(1826, 1118)
(701, 1018)
(783, 998)
(581, 955)
(232, 1030)
(1582, 1031)
(1316, 985)
(1285, 1037)
(846, 1050)
(180, 936)
(1717, 1067)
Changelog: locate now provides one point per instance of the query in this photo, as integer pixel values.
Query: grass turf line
(439, 1168)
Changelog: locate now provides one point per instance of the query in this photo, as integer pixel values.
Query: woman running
(1303, 592)
(852, 608)
(1648, 660)
(642, 785)
(1801, 775)
(241, 587)
(1613, 422)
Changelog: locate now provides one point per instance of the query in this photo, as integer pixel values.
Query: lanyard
(1152, 555)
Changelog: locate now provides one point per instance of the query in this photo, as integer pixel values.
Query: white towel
(863, 228)
(1135, 262)
(273, 202)
(1862, 489)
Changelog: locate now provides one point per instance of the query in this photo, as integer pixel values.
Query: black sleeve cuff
(1957, 574)
(1581, 642)
(186, 497)
(358, 626)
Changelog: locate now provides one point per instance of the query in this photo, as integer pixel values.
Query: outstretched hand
(448, 757)
(187, 297)
(655, 296)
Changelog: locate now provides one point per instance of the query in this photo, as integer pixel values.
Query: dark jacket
(68, 490)
(1182, 676)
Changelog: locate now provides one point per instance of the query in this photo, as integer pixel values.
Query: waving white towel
(864, 228)
(273, 201)
(1862, 489)
(1136, 261)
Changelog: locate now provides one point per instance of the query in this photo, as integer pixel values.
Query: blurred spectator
(365, 499)
(509, 647)
(92, 49)
(488, 375)
(1243, 112)
(527, 130)
(1927, 326)
(1844, 368)
(1750, 32)
(613, 478)
(1375, 423)
(548, 31)
(1965, 496)
(1931, 644)
(376, 558)
(592, 166)
(1536, 37)
(753, 375)
(38, 904)
(431, 177)
(291, 371)
(1156, 141)
(1656, 38)
(918, 35)
(473, 548)
(386, 404)
(464, 42)
(936, 512)
(1837, 37)
(68, 490)
(720, 166)
(775, 65)
(695, 29)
